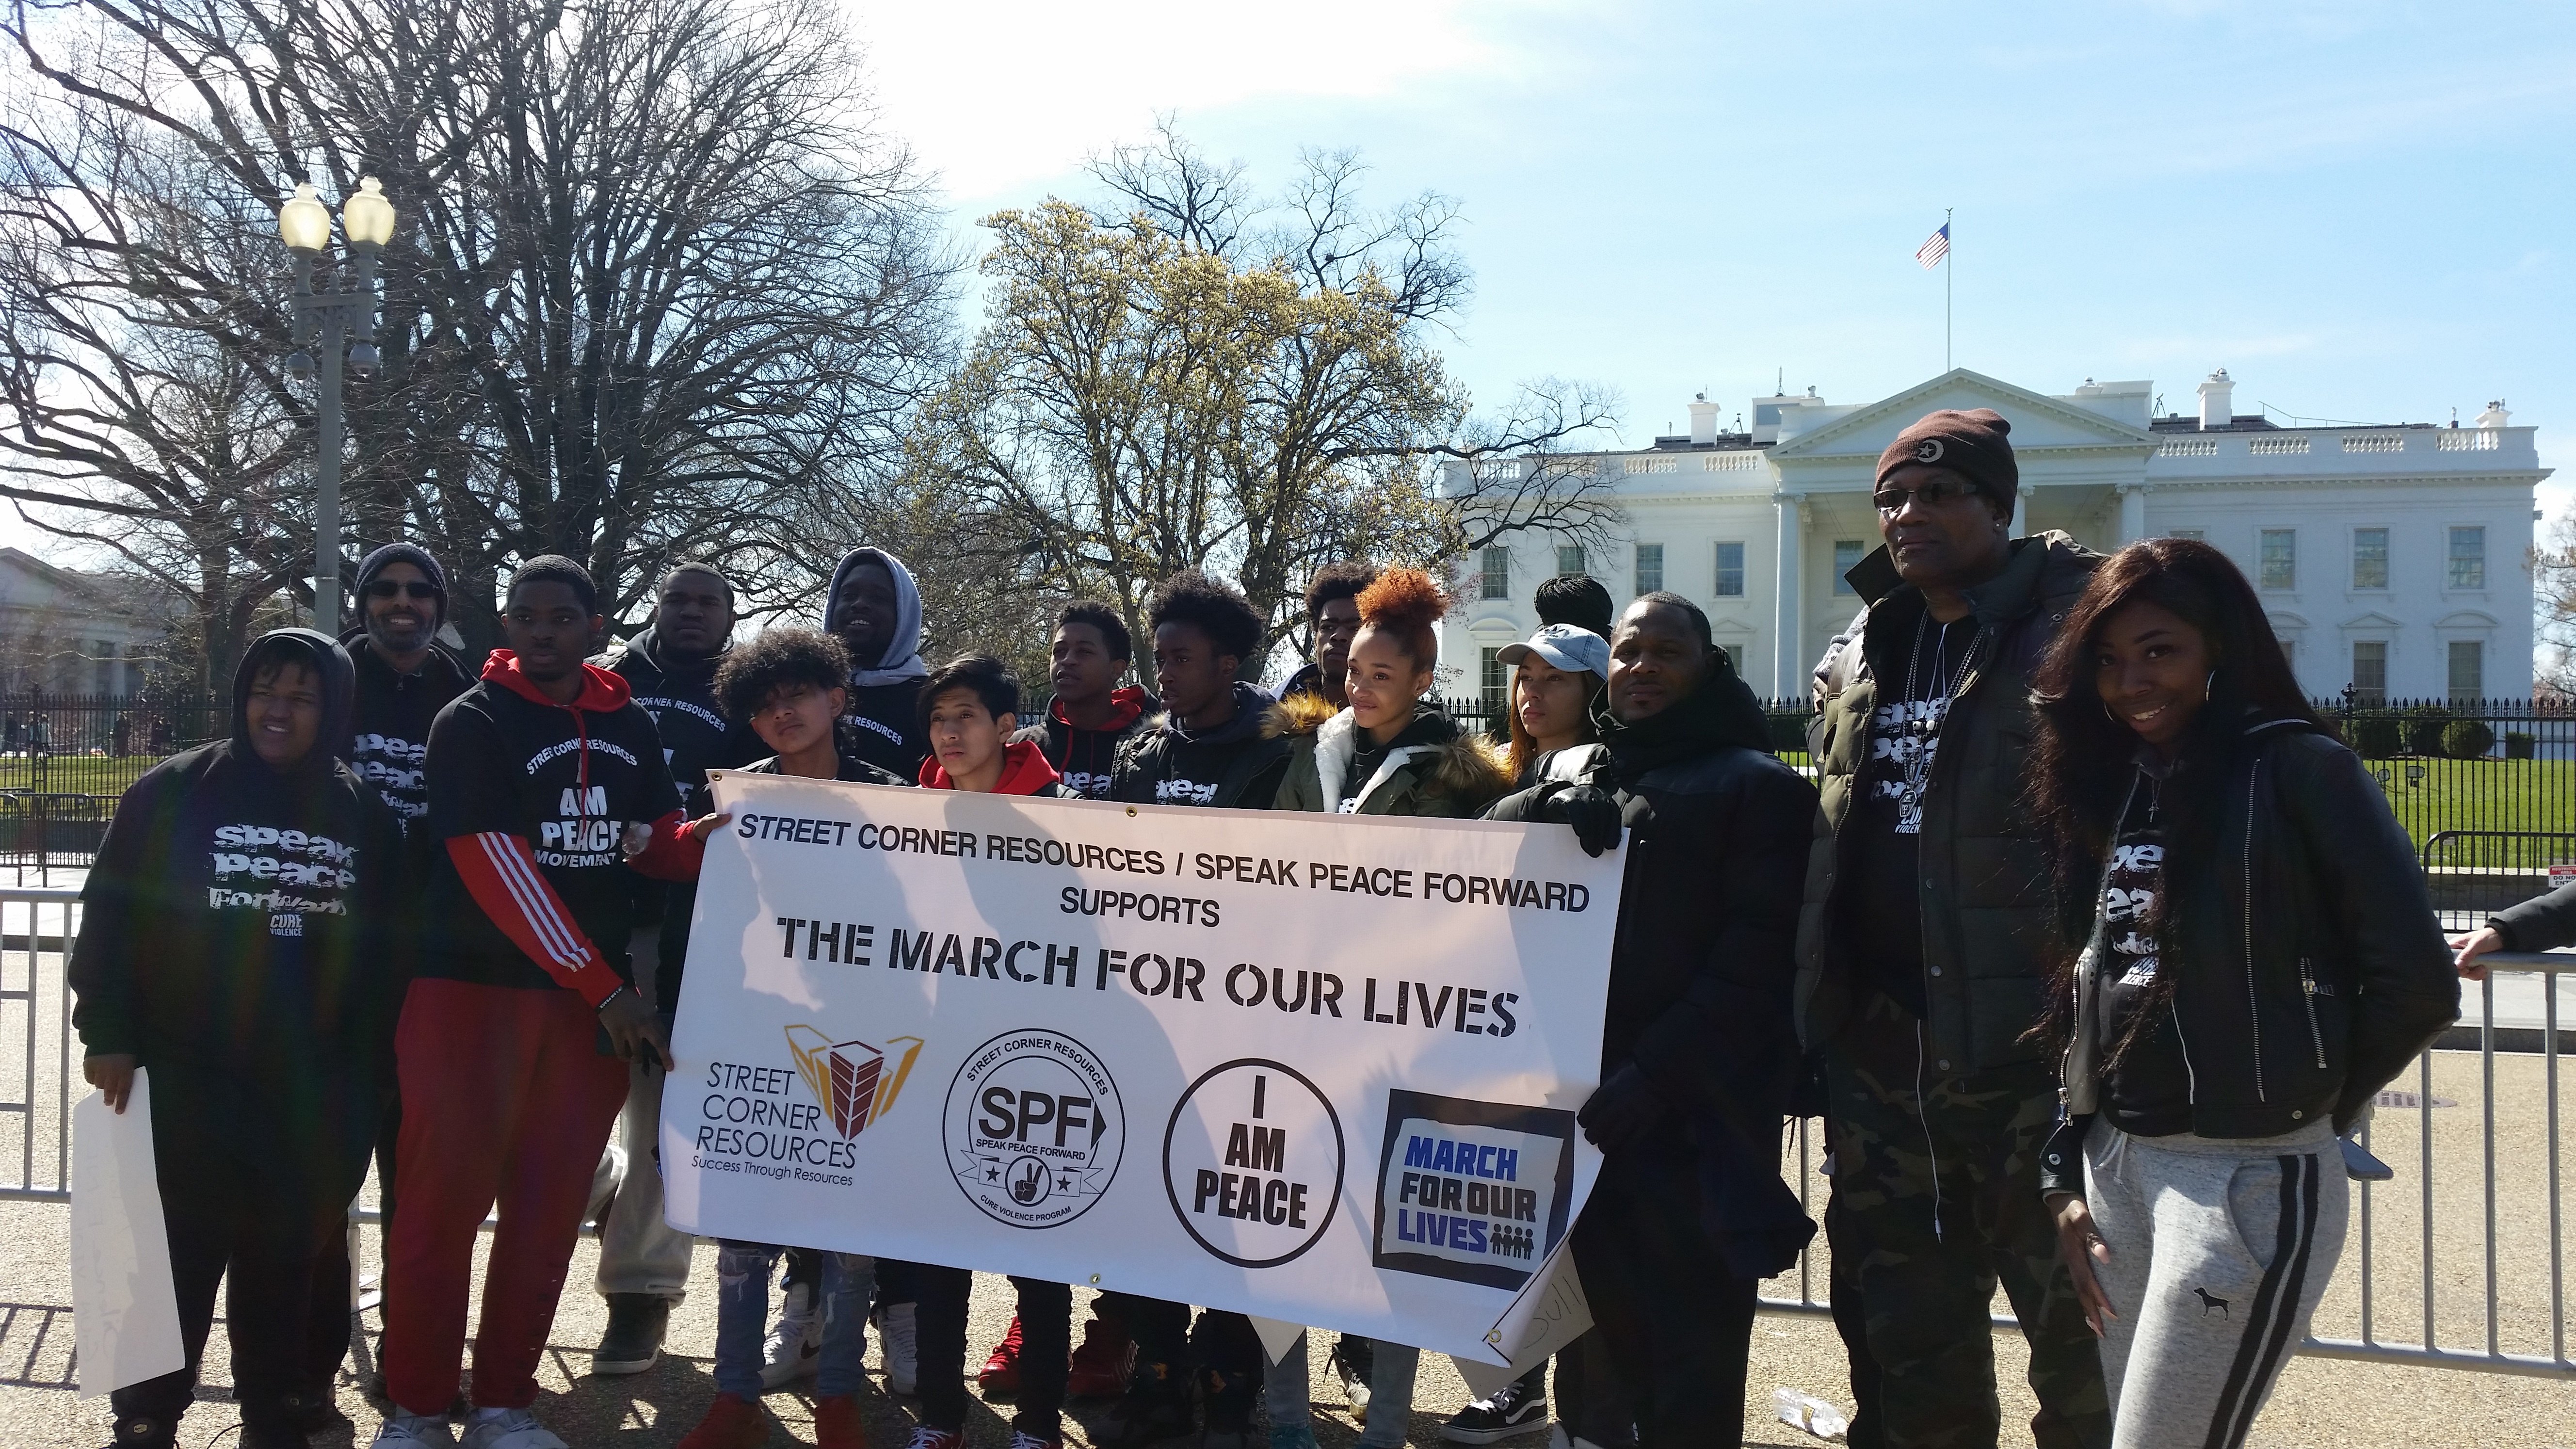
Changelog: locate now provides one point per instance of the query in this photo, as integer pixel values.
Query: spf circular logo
(1252, 1162)
(1034, 1128)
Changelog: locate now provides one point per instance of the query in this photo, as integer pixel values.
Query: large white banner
(1318, 1068)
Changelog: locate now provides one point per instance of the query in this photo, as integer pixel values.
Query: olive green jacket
(1445, 772)
(1984, 889)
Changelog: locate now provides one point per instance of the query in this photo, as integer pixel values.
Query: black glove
(1620, 1109)
(1593, 813)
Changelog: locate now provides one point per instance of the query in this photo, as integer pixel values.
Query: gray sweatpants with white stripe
(2219, 1253)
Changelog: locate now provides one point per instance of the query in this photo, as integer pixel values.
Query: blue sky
(2362, 210)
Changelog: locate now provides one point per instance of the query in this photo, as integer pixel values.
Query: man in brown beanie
(1920, 955)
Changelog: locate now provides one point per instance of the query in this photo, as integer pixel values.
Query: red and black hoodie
(534, 802)
(1084, 757)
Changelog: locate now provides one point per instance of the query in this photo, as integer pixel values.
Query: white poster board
(125, 1314)
(1318, 1068)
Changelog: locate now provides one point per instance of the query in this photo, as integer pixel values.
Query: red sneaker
(1102, 1362)
(1001, 1373)
(732, 1422)
(836, 1423)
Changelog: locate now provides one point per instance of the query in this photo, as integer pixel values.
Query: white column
(2133, 513)
(2021, 512)
(1789, 664)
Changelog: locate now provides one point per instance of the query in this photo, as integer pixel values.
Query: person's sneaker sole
(612, 1368)
(1452, 1433)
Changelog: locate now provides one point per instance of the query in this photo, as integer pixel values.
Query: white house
(2391, 558)
(68, 632)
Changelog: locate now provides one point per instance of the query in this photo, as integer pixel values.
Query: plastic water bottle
(1809, 1413)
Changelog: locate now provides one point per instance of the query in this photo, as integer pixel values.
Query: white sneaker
(896, 1331)
(795, 1343)
(508, 1429)
(414, 1431)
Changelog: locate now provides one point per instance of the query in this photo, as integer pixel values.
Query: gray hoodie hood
(903, 654)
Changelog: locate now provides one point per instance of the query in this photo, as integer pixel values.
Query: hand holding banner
(1319, 1068)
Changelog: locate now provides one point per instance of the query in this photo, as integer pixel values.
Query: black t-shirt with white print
(1885, 829)
(2148, 1090)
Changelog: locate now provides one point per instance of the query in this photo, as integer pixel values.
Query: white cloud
(998, 95)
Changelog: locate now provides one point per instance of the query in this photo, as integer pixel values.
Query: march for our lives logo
(1472, 1191)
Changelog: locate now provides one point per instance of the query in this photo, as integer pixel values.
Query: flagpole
(1949, 255)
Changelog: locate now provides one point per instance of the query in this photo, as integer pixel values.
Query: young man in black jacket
(404, 678)
(1092, 714)
(1207, 747)
(1922, 948)
(670, 665)
(404, 675)
(1697, 1055)
(876, 609)
(237, 941)
(546, 786)
(1333, 614)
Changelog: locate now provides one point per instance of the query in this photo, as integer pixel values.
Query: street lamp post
(304, 224)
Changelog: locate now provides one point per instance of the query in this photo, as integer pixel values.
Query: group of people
(2085, 936)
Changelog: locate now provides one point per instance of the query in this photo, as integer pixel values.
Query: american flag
(1929, 254)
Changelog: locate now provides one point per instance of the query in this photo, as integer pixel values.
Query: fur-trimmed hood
(1434, 760)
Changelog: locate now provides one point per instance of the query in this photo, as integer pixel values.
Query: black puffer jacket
(2311, 967)
(2540, 924)
(1985, 892)
(1701, 964)
(1233, 766)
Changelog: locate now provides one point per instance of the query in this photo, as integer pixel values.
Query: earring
(2208, 685)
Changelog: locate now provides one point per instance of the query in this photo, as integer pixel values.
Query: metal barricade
(37, 928)
(2484, 1209)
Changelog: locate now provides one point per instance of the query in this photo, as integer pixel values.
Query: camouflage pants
(1937, 1190)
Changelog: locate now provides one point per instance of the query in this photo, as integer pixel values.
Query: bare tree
(1186, 375)
(657, 282)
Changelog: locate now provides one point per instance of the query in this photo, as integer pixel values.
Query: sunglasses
(387, 588)
(1931, 495)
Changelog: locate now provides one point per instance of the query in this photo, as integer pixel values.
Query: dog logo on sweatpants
(2207, 1303)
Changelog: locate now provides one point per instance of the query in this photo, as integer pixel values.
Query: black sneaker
(138, 1431)
(1155, 1407)
(313, 1411)
(636, 1323)
(1354, 1357)
(1518, 1407)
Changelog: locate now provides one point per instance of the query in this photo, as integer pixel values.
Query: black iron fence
(2444, 765)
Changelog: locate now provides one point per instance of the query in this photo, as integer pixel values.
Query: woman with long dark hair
(1558, 678)
(2249, 956)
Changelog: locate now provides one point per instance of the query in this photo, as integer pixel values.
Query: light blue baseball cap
(1568, 648)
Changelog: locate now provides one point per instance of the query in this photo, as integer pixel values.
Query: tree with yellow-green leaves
(1182, 377)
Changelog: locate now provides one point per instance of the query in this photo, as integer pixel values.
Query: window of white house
(1494, 681)
(2370, 671)
(2278, 559)
(2370, 558)
(2468, 671)
(1847, 552)
(2194, 534)
(1734, 658)
(2468, 558)
(1569, 559)
(1495, 572)
(1650, 567)
(1730, 571)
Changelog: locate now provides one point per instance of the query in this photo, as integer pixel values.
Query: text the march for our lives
(1318, 1068)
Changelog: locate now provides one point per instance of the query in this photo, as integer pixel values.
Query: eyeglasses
(1931, 495)
(387, 588)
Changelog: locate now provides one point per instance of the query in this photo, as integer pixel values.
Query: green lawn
(2484, 794)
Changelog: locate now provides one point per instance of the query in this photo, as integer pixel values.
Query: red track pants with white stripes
(505, 1098)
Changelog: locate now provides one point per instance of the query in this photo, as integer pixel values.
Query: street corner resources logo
(1252, 1162)
(855, 1082)
(1035, 1128)
(1472, 1191)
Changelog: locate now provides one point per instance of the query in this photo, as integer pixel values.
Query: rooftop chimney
(2217, 400)
(1703, 421)
(2495, 416)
